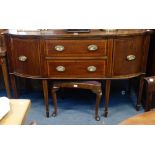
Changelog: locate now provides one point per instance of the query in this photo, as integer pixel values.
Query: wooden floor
(147, 118)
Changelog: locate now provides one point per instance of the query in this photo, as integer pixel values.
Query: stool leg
(98, 100)
(107, 94)
(54, 97)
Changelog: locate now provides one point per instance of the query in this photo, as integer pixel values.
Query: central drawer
(76, 68)
(80, 48)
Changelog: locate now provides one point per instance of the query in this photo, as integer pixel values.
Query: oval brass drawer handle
(60, 68)
(131, 57)
(92, 47)
(59, 48)
(91, 69)
(22, 58)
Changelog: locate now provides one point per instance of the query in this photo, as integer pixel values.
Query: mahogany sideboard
(57, 54)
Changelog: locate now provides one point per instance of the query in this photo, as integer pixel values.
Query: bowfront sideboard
(98, 54)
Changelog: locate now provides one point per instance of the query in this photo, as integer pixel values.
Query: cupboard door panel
(128, 56)
(26, 57)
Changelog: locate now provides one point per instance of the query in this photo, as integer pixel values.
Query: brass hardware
(22, 58)
(131, 57)
(59, 48)
(92, 47)
(91, 68)
(60, 68)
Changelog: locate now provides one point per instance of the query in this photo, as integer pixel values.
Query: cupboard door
(26, 57)
(128, 56)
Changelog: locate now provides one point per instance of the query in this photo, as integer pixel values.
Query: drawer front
(26, 57)
(128, 56)
(81, 48)
(76, 68)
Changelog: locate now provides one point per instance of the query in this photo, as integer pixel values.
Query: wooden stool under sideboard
(93, 86)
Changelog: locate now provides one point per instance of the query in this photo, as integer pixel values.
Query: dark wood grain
(93, 86)
(123, 48)
(76, 68)
(30, 49)
(45, 91)
(5, 75)
(151, 56)
(107, 95)
(72, 48)
(3, 63)
(149, 91)
(110, 59)
(60, 33)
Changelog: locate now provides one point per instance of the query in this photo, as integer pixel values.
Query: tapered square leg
(107, 94)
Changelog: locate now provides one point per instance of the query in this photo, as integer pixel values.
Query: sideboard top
(63, 33)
